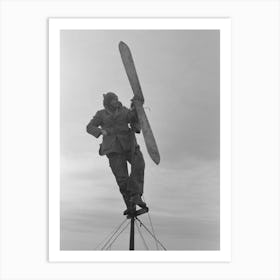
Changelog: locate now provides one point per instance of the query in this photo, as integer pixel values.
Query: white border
(55, 25)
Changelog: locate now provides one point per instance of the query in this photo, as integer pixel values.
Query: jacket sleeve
(131, 115)
(133, 120)
(93, 126)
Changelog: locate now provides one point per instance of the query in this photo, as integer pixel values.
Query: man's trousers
(132, 184)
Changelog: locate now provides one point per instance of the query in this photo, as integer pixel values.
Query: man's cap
(108, 97)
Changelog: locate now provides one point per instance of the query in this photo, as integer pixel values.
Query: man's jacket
(119, 136)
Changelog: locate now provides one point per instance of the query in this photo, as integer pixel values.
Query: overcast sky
(179, 75)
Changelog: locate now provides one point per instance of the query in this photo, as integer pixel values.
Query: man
(120, 146)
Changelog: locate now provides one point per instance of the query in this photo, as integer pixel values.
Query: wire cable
(152, 227)
(109, 246)
(115, 230)
(140, 233)
(151, 234)
(113, 235)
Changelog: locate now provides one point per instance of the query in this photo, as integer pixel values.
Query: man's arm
(93, 126)
(133, 118)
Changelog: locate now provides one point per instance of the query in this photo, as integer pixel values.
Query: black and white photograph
(139, 140)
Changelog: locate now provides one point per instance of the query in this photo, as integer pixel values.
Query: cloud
(184, 203)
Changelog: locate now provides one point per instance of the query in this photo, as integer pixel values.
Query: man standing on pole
(117, 124)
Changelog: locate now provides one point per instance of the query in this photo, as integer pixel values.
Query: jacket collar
(113, 114)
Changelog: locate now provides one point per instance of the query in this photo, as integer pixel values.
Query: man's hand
(137, 98)
(104, 132)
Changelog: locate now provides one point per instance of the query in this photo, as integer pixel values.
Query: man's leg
(118, 166)
(137, 176)
(138, 169)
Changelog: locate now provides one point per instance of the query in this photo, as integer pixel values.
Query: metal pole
(131, 241)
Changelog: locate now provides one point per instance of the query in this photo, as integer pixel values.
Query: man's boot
(128, 205)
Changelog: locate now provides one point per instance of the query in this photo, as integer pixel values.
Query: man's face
(114, 102)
